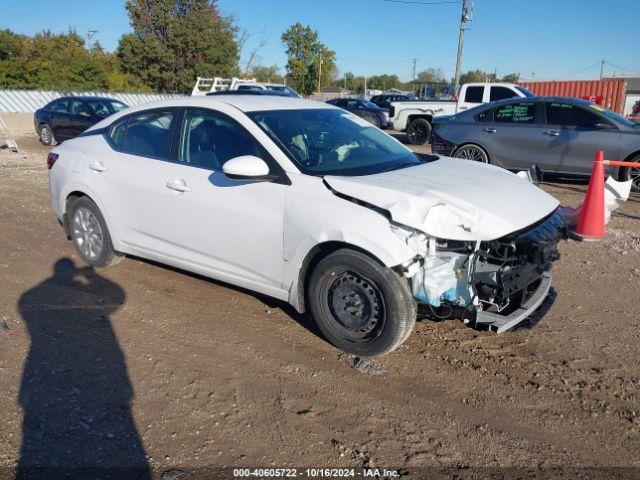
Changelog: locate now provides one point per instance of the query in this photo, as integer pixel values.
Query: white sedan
(312, 205)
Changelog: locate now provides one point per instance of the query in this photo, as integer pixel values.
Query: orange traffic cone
(591, 221)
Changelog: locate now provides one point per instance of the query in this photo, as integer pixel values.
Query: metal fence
(28, 101)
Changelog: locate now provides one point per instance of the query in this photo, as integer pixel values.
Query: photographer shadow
(75, 391)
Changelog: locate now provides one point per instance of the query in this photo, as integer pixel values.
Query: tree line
(172, 42)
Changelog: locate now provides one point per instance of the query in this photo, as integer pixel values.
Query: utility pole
(463, 20)
(602, 69)
(413, 76)
(365, 87)
(319, 75)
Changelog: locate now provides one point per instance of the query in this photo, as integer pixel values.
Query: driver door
(228, 229)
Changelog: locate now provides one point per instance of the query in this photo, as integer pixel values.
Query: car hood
(452, 199)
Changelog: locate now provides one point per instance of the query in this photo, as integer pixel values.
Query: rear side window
(147, 134)
(501, 93)
(78, 107)
(474, 94)
(210, 138)
(570, 115)
(523, 112)
(59, 106)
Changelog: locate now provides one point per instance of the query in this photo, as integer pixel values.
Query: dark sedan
(559, 135)
(67, 117)
(384, 100)
(364, 109)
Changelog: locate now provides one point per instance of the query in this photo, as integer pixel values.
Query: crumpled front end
(496, 283)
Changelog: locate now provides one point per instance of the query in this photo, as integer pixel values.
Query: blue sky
(540, 39)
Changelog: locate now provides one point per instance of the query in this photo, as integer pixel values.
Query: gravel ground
(153, 369)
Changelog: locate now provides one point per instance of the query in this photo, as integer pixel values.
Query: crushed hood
(452, 199)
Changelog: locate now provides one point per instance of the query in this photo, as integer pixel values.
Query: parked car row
(364, 109)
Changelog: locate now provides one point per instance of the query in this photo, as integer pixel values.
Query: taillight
(51, 159)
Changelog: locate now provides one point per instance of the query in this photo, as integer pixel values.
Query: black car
(364, 109)
(384, 100)
(67, 117)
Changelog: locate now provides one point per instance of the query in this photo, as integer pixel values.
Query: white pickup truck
(414, 117)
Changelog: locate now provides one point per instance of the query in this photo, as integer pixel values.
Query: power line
(579, 71)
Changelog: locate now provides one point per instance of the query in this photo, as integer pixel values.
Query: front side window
(146, 134)
(501, 93)
(474, 94)
(322, 141)
(210, 138)
(78, 107)
(523, 112)
(569, 115)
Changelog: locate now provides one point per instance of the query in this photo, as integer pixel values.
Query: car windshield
(524, 91)
(105, 107)
(369, 104)
(611, 115)
(333, 142)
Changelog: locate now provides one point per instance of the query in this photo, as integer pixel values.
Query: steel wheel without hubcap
(356, 305)
(87, 233)
(473, 153)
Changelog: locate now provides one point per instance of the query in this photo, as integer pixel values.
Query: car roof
(244, 103)
(86, 97)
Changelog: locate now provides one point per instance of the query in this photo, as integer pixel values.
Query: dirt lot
(139, 365)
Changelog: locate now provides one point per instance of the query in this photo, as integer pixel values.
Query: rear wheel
(359, 305)
(472, 152)
(45, 134)
(632, 173)
(418, 131)
(90, 235)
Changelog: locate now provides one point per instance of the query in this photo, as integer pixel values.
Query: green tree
(383, 82)
(511, 78)
(175, 41)
(431, 75)
(267, 74)
(309, 60)
(476, 75)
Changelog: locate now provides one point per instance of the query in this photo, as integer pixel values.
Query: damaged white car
(310, 204)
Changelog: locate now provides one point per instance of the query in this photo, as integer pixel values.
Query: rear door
(514, 136)
(129, 180)
(473, 96)
(58, 112)
(574, 133)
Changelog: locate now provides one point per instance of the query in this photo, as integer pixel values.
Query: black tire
(625, 173)
(418, 131)
(87, 226)
(472, 152)
(45, 135)
(347, 281)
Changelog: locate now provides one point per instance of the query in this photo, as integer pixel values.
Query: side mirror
(247, 167)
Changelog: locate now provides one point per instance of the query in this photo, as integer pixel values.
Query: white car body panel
(449, 198)
(259, 235)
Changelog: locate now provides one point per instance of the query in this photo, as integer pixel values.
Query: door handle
(97, 167)
(489, 130)
(178, 186)
(552, 133)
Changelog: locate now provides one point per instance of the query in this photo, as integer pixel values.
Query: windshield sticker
(598, 108)
(357, 120)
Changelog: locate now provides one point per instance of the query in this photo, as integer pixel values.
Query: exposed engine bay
(495, 278)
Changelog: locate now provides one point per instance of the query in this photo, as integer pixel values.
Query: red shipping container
(610, 94)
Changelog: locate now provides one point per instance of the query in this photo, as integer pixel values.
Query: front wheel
(418, 131)
(631, 173)
(473, 153)
(359, 305)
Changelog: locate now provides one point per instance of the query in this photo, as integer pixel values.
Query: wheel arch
(298, 295)
(475, 144)
(428, 116)
(78, 191)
